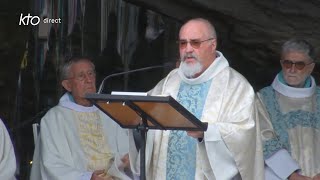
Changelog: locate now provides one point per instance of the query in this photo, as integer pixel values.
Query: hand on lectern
(196, 134)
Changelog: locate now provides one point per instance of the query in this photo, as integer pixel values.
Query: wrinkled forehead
(295, 56)
(81, 66)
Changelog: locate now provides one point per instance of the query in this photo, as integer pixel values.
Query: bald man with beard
(215, 93)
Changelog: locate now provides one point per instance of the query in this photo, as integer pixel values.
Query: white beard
(191, 69)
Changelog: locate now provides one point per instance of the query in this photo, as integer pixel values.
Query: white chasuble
(7, 156)
(75, 140)
(290, 127)
(230, 148)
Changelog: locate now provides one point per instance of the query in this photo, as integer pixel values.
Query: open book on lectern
(156, 112)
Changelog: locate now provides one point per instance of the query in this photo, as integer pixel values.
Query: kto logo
(35, 20)
(25, 20)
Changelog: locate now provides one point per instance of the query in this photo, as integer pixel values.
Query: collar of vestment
(67, 102)
(294, 92)
(215, 68)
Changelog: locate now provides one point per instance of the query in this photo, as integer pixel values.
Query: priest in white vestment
(215, 93)
(289, 114)
(77, 141)
(7, 156)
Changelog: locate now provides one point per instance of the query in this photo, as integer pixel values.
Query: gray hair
(65, 68)
(299, 45)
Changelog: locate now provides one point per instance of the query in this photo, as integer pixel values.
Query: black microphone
(167, 64)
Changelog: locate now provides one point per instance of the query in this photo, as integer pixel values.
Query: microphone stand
(129, 72)
(142, 128)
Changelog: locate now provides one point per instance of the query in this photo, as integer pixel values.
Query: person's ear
(312, 67)
(66, 85)
(214, 45)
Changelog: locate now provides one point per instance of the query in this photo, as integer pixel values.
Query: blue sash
(181, 154)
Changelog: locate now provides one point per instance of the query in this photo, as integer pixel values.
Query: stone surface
(250, 32)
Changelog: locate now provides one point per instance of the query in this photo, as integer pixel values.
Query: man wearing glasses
(77, 141)
(215, 93)
(289, 116)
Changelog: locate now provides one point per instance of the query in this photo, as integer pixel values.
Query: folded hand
(100, 175)
(316, 177)
(297, 176)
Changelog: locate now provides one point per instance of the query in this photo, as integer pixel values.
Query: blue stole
(181, 154)
(282, 122)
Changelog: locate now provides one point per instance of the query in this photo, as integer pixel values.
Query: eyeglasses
(299, 65)
(82, 76)
(195, 43)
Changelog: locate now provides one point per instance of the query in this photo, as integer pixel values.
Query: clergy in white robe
(220, 96)
(7, 156)
(78, 141)
(289, 114)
